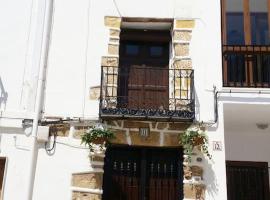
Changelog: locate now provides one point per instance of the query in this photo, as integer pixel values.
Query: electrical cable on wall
(27, 49)
(86, 62)
(73, 146)
(174, 7)
(50, 149)
(117, 8)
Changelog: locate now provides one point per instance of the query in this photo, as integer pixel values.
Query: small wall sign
(217, 146)
(144, 132)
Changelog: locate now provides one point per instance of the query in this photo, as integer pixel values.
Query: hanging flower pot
(96, 135)
(194, 137)
(198, 141)
(99, 140)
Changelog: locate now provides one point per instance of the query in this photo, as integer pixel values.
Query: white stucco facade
(78, 41)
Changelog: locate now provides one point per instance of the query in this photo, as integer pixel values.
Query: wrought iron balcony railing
(246, 66)
(147, 92)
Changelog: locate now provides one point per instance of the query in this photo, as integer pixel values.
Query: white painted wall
(54, 172)
(248, 144)
(254, 144)
(78, 45)
(79, 39)
(215, 169)
(14, 28)
(244, 140)
(16, 165)
(53, 175)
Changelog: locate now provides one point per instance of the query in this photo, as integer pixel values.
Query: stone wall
(88, 185)
(181, 38)
(194, 185)
(161, 134)
(111, 60)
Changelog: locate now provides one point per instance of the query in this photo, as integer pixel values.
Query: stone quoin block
(182, 64)
(184, 24)
(114, 33)
(192, 191)
(109, 61)
(87, 180)
(114, 22)
(182, 35)
(85, 196)
(181, 49)
(94, 93)
(113, 49)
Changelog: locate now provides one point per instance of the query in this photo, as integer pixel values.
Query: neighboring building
(147, 70)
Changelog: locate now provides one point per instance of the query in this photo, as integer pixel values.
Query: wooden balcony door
(148, 88)
(247, 180)
(144, 67)
(143, 174)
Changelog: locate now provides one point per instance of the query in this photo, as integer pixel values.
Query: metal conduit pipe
(42, 38)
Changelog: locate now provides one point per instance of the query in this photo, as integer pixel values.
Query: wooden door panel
(155, 176)
(247, 180)
(148, 88)
(147, 68)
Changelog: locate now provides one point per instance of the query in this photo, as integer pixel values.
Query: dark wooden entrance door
(142, 174)
(247, 180)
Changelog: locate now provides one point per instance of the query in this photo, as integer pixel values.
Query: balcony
(246, 66)
(147, 93)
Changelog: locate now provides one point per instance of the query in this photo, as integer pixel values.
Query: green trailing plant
(194, 137)
(96, 135)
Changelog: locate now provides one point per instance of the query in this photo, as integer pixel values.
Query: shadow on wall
(3, 96)
(211, 182)
(197, 106)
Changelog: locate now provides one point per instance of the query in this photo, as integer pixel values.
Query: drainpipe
(41, 36)
(216, 93)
